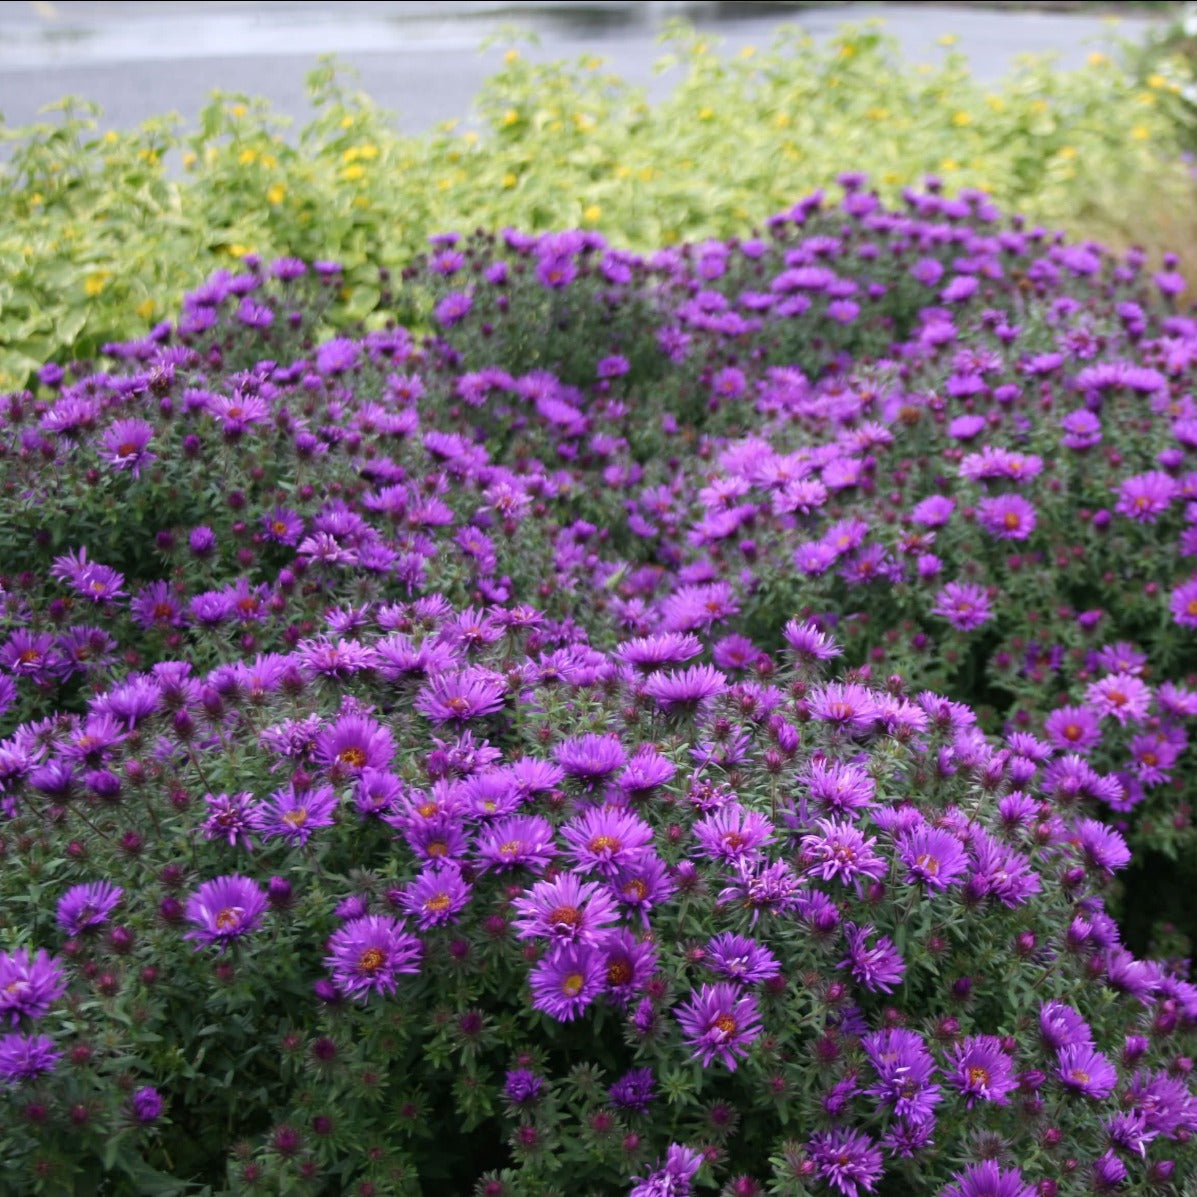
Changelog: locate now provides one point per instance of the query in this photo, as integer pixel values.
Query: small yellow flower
(1140, 132)
(948, 165)
(1156, 81)
(592, 62)
(444, 184)
(238, 110)
(782, 120)
(110, 138)
(145, 309)
(189, 159)
(748, 52)
(592, 213)
(237, 250)
(706, 114)
(247, 157)
(1066, 151)
(351, 174)
(646, 174)
(361, 201)
(269, 161)
(700, 48)
(347, 122)
(470, 138)
(95, 282)
(960, 119)
(995, 102)
(623, 172)
(511, 56)
(511, 117)
(509, 180)
(276, 193)
(847, 49)
(1097, 58)
(947, 39)
(1039, 107)
(878, 114)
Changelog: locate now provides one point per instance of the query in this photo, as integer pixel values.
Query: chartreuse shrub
(104, 233)
(674, 727)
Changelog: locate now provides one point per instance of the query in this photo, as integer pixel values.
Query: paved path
(143, 59)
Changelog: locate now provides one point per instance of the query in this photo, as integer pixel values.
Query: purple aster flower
(848, 1160)
(1061, 1026)
(518, 841)
(741, 959)
(124, 445)
(523, 1087)
(642, 884)
(629, 964)
(685, 689)
(87, 906)
(607, 839)
(1121, 695)
(651, 652)
(839, 787)
(932, 856)
(840, 851)
(810, 644)
(763, 886)
(565, 910)
(29, 984)
(354, 743)
(293, 815)
(453, 309)
(1102, 848)
(1008, 517)
(635, 1091)
(1073, 729)
(1085, 1071)
(146, 1105)
(224, 909)
(436, 897)
(987, 1179)
(981, 1070)
(1184, 604)
(1082, 430)
(568, 980)
(733, 834)
(369, 953)
(1145, 497)
(591, 757)
(231, 817)
(26, 1057)
(964, 605)
(933, 512)
(879, 967)
(720, 1020)
(457, 697)
(904, 1067)
(846, 706)
(673, 1178)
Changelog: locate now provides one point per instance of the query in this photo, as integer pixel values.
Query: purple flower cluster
(475, 723)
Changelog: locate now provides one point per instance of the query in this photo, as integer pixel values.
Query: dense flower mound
(422, 755)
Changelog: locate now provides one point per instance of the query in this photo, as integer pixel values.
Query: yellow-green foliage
(101, 237)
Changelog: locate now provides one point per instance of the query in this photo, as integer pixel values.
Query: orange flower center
(371, 960)
(354, 757)
(725, 1024)
(565, 916)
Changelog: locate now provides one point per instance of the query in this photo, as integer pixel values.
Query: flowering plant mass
(681, 725)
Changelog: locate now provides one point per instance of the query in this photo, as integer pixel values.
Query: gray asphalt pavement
(422, 60)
